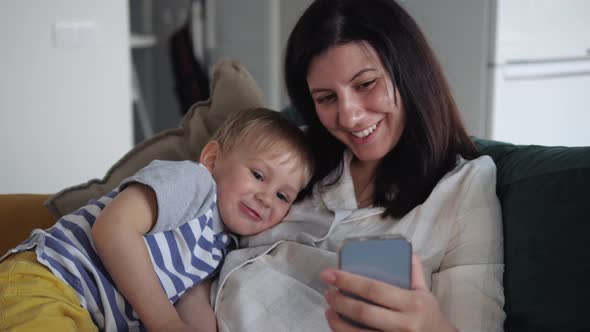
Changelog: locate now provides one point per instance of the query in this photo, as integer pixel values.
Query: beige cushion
(232, 89)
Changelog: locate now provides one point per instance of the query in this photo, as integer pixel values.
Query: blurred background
(254, 32)
(84, 81)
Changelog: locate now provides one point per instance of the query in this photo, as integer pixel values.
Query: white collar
(340, 194)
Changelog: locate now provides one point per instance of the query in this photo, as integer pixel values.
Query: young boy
(121, 262)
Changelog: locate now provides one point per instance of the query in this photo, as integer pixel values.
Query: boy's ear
(209, 155)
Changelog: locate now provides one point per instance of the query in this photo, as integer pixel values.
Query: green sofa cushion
(545, 198)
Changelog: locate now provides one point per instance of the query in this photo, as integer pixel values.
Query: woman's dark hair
(433, 137)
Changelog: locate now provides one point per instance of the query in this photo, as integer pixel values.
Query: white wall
(255, 32)
(459, 33)
(65, 113)
(291, 10)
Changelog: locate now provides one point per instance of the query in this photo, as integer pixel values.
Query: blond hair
(265, 130)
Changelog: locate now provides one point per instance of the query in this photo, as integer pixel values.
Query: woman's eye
(367, 84)
(256, 175)
(326, 99)
(282, 197)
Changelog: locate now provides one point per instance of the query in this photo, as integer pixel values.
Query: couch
(544, 193)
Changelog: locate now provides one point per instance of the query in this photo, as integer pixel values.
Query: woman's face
(354, 100)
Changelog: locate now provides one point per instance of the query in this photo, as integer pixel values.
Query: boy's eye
(256, 175)
(283, 197)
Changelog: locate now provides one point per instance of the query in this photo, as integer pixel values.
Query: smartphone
(384, 258)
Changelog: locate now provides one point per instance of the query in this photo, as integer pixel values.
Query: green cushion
(545, 198)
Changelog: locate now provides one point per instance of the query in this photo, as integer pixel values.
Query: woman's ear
(209, 155)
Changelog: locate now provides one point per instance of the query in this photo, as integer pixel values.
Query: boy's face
(255, 189)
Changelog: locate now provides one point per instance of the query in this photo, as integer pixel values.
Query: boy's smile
(249, 212)
(255, 189)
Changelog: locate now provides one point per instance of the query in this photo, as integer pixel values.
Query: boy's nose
(263, 197)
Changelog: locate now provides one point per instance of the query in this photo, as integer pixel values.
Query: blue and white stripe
(182, 257)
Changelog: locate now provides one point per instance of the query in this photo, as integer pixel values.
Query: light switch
(74, 34)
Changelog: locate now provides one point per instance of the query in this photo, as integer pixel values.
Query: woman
(393, 157)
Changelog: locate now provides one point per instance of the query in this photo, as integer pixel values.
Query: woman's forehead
(343, 62)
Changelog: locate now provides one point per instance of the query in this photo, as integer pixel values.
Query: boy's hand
(118, 236)
(174, 326)
(194, 308)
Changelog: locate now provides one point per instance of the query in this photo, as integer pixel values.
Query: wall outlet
(74, 34)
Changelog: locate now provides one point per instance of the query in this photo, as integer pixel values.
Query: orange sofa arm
(19, 215)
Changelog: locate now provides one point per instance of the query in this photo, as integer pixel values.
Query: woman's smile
(366, 132)
(356, 101)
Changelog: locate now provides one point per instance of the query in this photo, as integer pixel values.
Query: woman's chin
(364, 156)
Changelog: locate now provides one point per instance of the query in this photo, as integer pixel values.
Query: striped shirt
(186, 245)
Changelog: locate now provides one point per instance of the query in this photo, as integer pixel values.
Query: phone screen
(385, 259)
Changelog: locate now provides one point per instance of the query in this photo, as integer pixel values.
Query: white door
(542, 103)
(538, 30)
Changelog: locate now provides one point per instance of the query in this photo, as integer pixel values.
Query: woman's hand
(399, 309)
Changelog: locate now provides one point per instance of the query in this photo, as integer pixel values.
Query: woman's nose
(349, 111)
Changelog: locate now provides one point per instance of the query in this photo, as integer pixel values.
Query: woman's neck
(363, 179)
